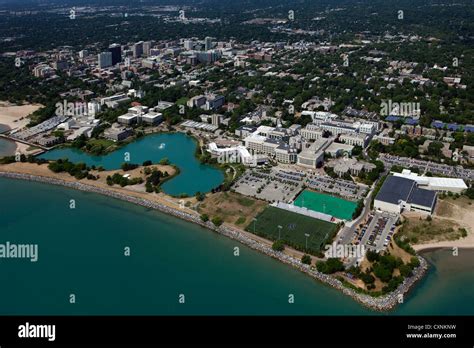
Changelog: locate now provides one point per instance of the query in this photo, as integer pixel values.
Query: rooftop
(433, 182)
(395, 189)
(422, 197)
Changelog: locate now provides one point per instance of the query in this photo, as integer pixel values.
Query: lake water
(81, 252)
(177, 147)
(7, 147)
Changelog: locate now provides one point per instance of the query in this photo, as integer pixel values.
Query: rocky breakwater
(381, 303)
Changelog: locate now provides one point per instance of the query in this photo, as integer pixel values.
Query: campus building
(261, 144)
(117, 133)
(311, 132)
(313, 156)
(140, 114)
(434, 183)
(245, 131)
(359, 139)
(116, 51)
(104, 60)
(285, 154)
(398, 194)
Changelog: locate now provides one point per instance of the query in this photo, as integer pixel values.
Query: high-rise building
(154, 52)
(105, 59)
(188, 45)
(83, 54)
(146, 48)
(208, 57)
(137, 49)
(208, 43)
(60, 64)
(216, 119)
(116, 51)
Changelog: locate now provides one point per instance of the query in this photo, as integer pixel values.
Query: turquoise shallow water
(177, 147)
(81, 251)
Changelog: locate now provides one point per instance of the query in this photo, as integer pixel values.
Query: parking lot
(283, 185)
(428, 166)
(273, 187)
(338, 187)
(377, 232)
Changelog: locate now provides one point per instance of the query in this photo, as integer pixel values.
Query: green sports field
(293, 229)
(327, 204)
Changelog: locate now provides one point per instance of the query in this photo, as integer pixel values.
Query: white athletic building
(398, 194)
(434, 183)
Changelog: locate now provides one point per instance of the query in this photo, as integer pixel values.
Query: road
(346, 234)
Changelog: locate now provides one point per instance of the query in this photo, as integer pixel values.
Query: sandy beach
(459, 211)
(14, 116)
(463, 243)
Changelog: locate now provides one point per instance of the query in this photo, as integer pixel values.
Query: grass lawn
(293, 229)
(424, 231)
(182, 101)
(232, 207)
(104, 142)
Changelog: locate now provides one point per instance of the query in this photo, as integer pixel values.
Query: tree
(434, 149)
(217, 221)
(372, 256)
(382, 272)
(200, 196)
(332, 265)
(149, 187)
(204, 217)
(367, 278)
(306, 259)
(164, 161)
(470, 192)
(405, 270)
(414, 262)
(278, 245)
(128, 166)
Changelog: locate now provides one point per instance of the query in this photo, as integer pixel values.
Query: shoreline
(431, 248)
(15, 116)
(461, 243)
(19, 147)
(382, 303)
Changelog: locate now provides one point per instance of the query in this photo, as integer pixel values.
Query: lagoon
(179, 148)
